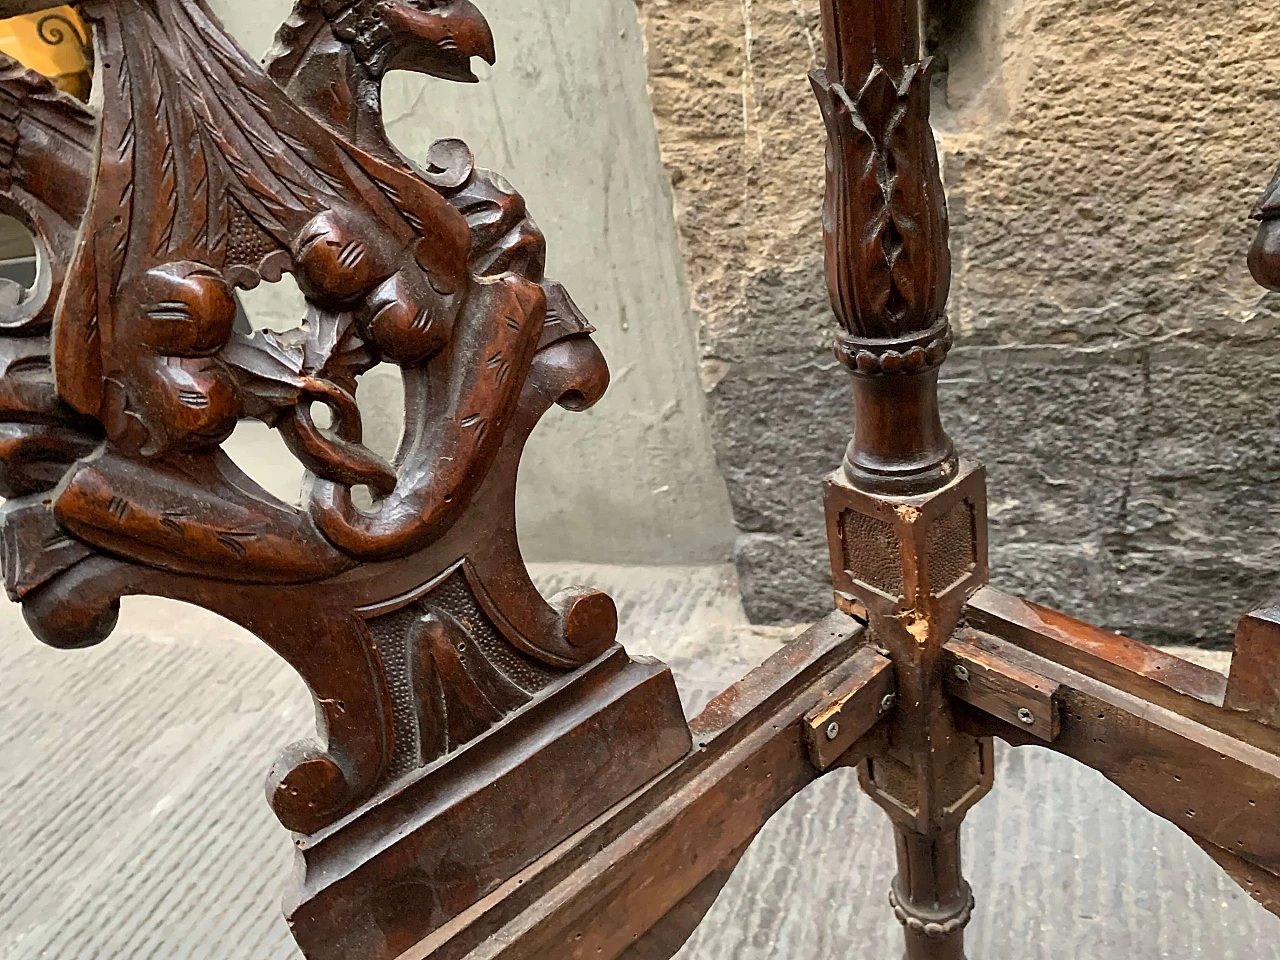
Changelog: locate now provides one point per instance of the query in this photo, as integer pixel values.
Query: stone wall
(1116, 368)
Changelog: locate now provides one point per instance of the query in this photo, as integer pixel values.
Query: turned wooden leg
(906, 518)
(929, 895)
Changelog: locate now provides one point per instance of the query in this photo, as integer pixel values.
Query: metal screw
(887, 703)
(1026, 716)
(961, 672)
(833, 730)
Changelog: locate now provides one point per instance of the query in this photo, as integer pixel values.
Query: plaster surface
(565, 117)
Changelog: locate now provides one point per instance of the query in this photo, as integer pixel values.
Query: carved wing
(46, 151)
(228, 171)
(46, 145)
(203, 175)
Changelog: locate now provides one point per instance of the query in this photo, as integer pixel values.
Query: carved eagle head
(435, 37)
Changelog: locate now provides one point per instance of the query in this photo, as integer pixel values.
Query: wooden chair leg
(928, 772)
(906, 520)
(930, 896)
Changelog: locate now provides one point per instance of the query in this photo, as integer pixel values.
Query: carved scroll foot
(68, 618)
(306, 786)
(77, 607)
(314, 783)
(317, 782)
(588, 618)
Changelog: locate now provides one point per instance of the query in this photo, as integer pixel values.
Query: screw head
(1026, 716)
(886, 704)
(833, 730)
(961, 672)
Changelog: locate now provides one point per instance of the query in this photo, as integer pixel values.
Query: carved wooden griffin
(413, 622)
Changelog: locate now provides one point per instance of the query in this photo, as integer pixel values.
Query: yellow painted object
(54, 42)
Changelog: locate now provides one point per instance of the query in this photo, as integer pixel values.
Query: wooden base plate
(383, 878)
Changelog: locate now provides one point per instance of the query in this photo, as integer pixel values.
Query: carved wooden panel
(413, 621)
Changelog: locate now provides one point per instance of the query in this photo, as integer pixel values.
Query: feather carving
(245, 142)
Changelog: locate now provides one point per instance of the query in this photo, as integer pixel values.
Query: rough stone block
(1115, 367)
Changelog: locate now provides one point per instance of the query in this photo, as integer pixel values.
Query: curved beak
(475, 38)
(449, 36)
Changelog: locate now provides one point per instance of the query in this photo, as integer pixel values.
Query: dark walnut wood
(906, 521)
(430, 654)
(885, 227)
(1264, 254)
(1158, 727)
(493, 776)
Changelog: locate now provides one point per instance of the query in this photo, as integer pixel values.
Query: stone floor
(135, 828)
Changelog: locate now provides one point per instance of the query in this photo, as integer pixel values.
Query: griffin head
(435, 37)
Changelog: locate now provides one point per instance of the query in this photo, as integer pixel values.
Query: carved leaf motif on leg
(884, 220)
